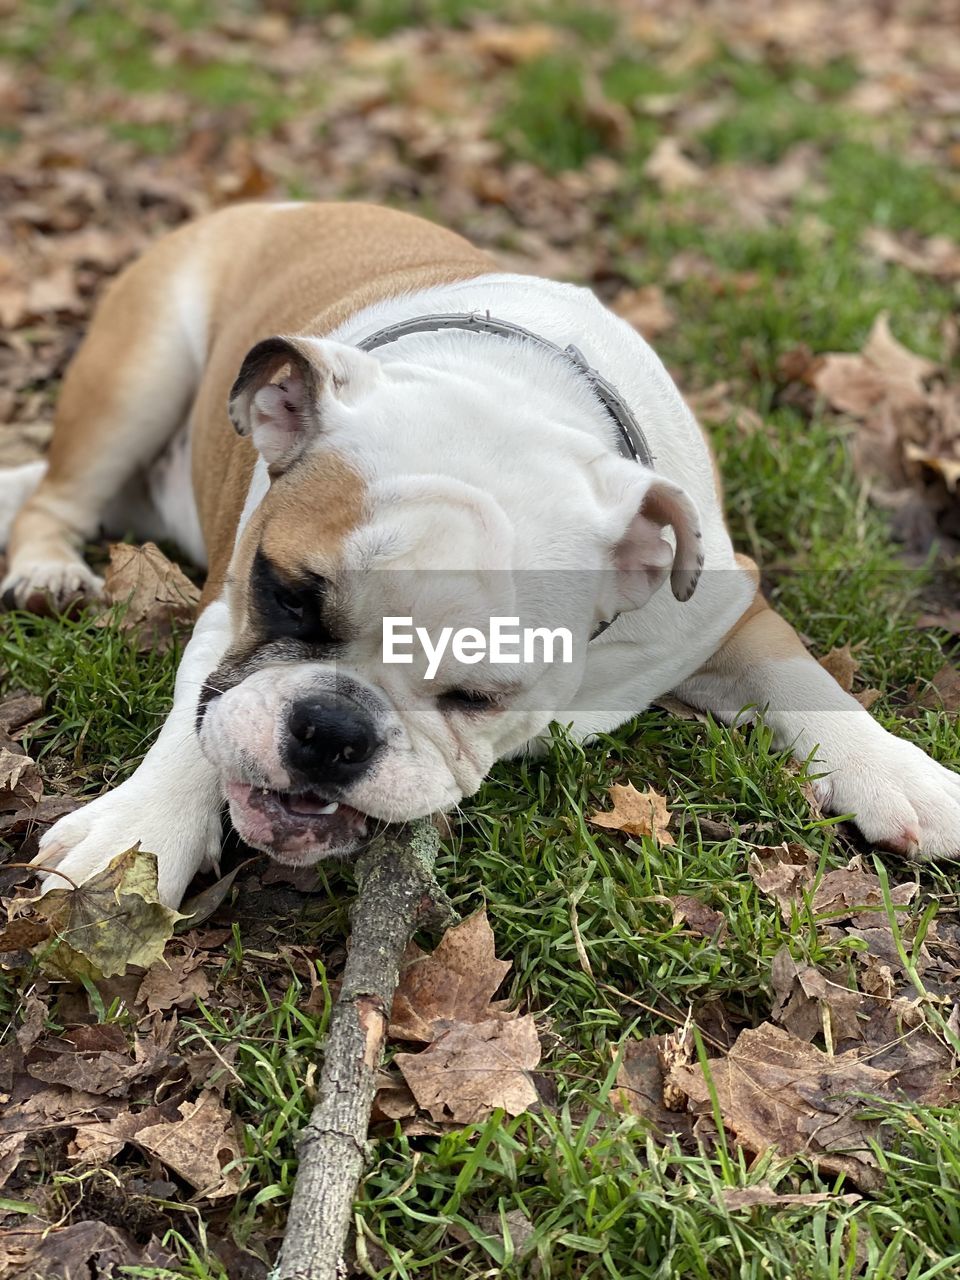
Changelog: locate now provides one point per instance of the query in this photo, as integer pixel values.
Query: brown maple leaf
(842, 665)
(470, 1070)
(775, 1090)
(637, 813)
(454, 984)
(198, 1146)
(173, 982)
(156, 593)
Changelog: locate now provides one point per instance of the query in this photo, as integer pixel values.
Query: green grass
(105, 702)
(546, 119)
(602, 1199)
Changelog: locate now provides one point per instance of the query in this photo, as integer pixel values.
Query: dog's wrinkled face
(372, 514)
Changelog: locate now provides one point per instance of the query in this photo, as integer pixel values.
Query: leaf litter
(840, 1043)
(80, 200)
(905, 413)
(479, 1053)
(636, 813)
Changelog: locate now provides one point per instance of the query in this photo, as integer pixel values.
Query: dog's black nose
(329, 741)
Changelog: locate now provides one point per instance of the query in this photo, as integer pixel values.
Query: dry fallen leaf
(647, 309)
(479, 1053)
(776, 1091)
(946, 465)
(112, 921)
(34, 1016)
(22, 442)
(783, 871)
(842, 665)
(850, 892)
(18, 709)
(682, 710)
(867, 697)
(100, 1141)
(13, 305)
(750, 1197)
(698, 918)
(674, 1050)
(638, 813)
(86, 1248)
(756, 195)
(670, 169)
(30, 818)
(198, 1146)
(936, 256)
(787, 872)
(104, 1072)
(173, 982)
(906, 443)
(454, 984)
(511, 44)
(948, 619)
(886, 371)
(638, 1088)
(54, 294)
(22, 934)
(809, 1004)
(156, 593)
(943, 693)
(473, 1069)
(515, 1221)
(20, 784)
(393, 1100)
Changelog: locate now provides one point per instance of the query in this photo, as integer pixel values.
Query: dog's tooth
(329, 808)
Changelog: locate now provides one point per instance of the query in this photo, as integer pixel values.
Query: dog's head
(401, 498)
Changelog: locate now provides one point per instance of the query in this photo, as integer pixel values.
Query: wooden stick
(396, 895)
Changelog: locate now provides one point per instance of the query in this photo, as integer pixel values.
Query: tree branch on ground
(396, 895)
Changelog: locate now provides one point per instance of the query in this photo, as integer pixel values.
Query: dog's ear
(644, 558)
(284, 386)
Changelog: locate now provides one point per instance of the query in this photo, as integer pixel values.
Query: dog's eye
(471, 700)
(289, 602)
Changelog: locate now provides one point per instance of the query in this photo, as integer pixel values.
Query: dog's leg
(901, 799)
(171, 804)
(125, 394)
(17, 484)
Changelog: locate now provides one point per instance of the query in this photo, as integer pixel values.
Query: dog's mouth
(295, 827)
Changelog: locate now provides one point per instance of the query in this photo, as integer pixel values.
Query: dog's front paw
(183, 836)
(901, 799)
(50, 586)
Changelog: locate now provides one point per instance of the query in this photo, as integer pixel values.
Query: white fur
(170, 488)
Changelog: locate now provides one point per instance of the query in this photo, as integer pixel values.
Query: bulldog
(349, 416)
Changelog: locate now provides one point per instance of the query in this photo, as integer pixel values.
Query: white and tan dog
(441, 474)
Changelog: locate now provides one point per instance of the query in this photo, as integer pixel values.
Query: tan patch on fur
(302, 522)
(310, 510)
(758, 635)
